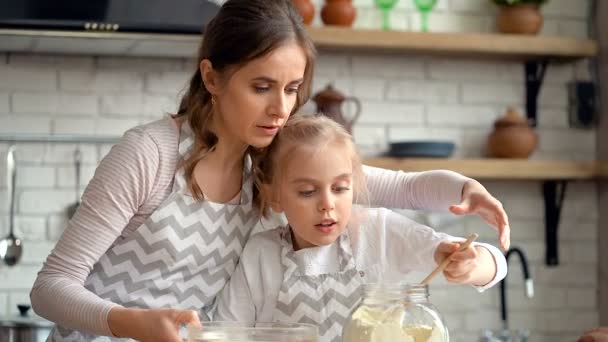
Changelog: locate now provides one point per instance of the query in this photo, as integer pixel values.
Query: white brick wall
(403, 97)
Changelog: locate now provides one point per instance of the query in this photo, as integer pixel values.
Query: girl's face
(257, 99)
(315, 192)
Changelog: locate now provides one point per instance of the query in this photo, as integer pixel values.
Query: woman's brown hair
(242, 30)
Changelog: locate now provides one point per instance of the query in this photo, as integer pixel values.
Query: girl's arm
(403, 245)
(120, 185)
(436, 190)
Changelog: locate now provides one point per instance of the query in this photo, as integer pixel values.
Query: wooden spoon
(447, 260)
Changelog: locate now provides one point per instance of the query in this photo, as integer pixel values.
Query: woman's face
(255, 102)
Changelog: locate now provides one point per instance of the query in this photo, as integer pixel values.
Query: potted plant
(519, 16)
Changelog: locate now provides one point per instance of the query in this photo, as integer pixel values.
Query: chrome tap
(529, 284)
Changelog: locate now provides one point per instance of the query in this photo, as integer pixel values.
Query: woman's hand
(473, 265)
(152, 325)
(596, 335)
(477, 200)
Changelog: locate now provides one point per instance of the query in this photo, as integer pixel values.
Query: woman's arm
(119, 187)
(436, 190)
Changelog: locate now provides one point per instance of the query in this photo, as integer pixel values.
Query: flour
(374, 325)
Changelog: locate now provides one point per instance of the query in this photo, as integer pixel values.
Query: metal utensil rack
(57, 138)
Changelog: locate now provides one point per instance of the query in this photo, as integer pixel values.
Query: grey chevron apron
(325, 300)
(180, 257)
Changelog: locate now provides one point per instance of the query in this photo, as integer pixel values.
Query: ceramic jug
(329, 102)
(338, 13)
(512, 137)
(306, 10)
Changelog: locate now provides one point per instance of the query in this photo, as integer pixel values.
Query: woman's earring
(212, 100)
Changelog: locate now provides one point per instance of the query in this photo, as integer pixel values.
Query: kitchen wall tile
(55, 103)
(122, 105)
(584, 298)
(428, 91)
(168, 83)
(566, 9)
(472, 6)
(492, 93)
(98, 81)
(45, 201)
(399, 67)
(3, 303)
(25, 124)
(461, 116)
(438, 22)
(20, 78)
(383, 112)
(31, 228)
(35, 176)
(369, 89)
(4, 103)
(63, 62)
(18, 278)
(148, 64)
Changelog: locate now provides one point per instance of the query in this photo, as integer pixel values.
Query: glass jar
(390, 313)
(255, 332)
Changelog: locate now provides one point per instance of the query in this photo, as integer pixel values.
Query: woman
(163, 222)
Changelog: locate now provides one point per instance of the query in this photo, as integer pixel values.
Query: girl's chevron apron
(180, 257)
(325, 300)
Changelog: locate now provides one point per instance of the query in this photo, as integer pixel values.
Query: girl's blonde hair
(303, 132)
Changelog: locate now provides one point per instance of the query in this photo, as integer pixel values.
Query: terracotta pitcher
(338, 12)
(306, 9)
(512, 137)
(329, 102)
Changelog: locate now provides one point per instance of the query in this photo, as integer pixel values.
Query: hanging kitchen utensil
(77, 163)
(10, 247)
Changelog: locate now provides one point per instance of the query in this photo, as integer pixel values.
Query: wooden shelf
(505, 169)
(473, 45)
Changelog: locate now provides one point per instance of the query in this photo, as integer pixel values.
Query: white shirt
(386, 247)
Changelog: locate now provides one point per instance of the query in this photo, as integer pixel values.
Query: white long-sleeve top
(386, 248)
(129, 185)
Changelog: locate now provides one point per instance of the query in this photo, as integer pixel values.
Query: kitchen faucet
(529, 284)
(506, 335)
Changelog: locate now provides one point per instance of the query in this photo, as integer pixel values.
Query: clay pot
(519, 19)
(512, 137)
(338, 12)
(329, 103)
(306, 9)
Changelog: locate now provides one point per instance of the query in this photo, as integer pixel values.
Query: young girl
(165, 218)
(313, 269)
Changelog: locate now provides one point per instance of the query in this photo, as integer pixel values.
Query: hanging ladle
(10, 247)
(77, 164)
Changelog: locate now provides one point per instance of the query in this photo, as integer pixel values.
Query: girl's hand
(477, 200)
(153, 325)
(596, 335)
(469, 266)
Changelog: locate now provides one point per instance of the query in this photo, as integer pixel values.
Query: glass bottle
(390, 313)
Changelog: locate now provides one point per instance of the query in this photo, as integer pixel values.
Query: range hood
(140, 16)
(150, 28)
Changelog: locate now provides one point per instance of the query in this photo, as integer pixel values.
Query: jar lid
(511, 118)
(23, 320)
(329, 94)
